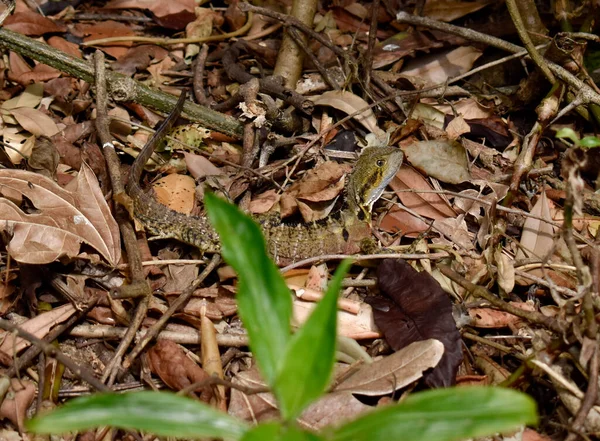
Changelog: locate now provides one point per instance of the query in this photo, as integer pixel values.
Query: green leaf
(160, 413)
(589, 142)
(309, 360)
(444, 415)
(568, 134)
(264, 300)
(277, 432)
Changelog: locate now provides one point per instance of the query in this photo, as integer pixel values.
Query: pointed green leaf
(160, 413)
(264, 300)
(567, 133)
(444, 415)
(589, 142)
(308, 362)
(278, 432)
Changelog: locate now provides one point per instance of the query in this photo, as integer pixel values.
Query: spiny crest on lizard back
(374, 170)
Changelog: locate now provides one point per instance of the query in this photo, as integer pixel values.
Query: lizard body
(286, 243)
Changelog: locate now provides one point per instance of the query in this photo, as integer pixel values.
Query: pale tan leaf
(537, 238)
(439, 67)
(395, 371)
(39, 326)
(31, 97)
(176, 192)
(457, 127)
(506, 271)
(450, 10)
(35, 121)
(443, 160)
(63, 219)
(349, 103)
(21, 145)
(429, 114)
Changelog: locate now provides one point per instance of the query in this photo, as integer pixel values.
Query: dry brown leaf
(64, 218)
(263, 202)
(395, 371)
(176, 192)
(200, 167)
(329, 409)
(168, 360)
(66, 46)
(35, 121)
(38, 326)
(401, 221)
(439, 67)
(315, 194)
(443, 160)
(31, 97)
(457, 127)
(15, 404)
(160, 9)
(32, 24)
(107, 29)
(429, 205)
(450, 10)
(349, 103)
(492, 318)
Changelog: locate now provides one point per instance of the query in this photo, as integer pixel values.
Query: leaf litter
(455, 202)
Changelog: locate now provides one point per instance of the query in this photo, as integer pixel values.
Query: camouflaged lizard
(374, 169)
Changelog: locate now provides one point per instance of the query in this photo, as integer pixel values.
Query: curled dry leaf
(169, 362)
(415, 307)
(395, 371)
(349, 103)
(64, 219)
(315, 194)
(443, 160)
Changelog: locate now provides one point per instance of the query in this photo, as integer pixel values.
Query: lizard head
(374, 170)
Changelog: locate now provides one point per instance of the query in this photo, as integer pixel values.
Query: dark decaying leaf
(415, 307)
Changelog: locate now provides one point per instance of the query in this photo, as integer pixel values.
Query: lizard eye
(380, 163)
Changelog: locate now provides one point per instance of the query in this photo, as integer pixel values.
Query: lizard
(374, 169)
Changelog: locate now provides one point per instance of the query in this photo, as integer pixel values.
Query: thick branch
(125, 87)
